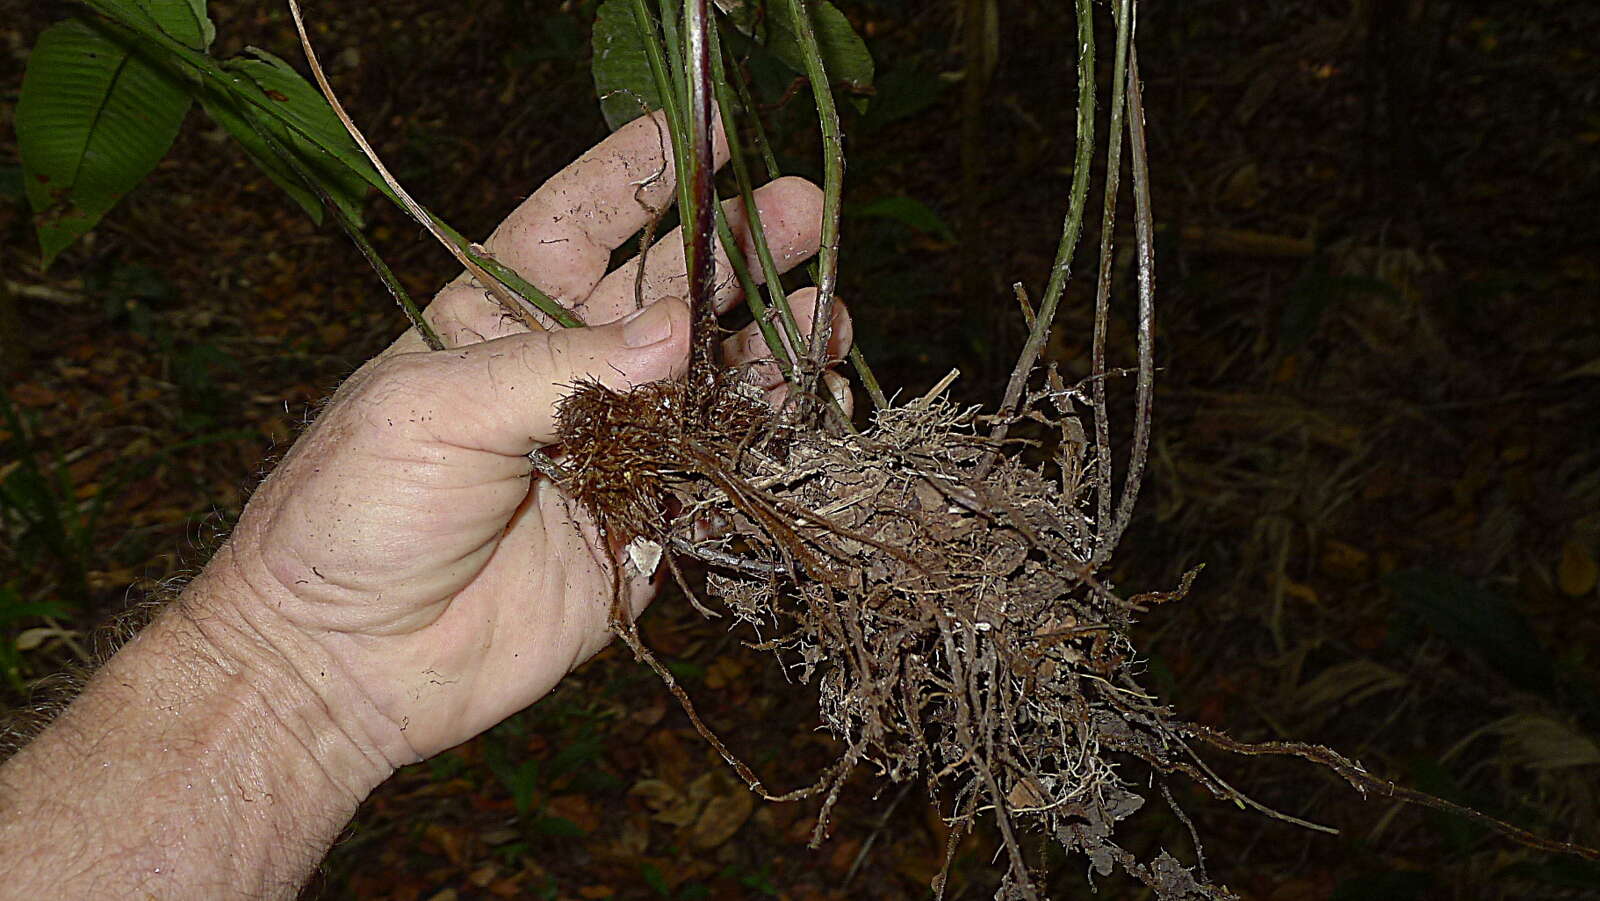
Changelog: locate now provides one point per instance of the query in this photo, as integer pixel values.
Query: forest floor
(1377, 425)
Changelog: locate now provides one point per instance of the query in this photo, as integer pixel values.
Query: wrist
(199, 734)
(296, 676)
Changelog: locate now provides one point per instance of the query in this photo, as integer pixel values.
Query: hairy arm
(198, 763)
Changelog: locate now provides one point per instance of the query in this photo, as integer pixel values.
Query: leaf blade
(621, 68)
(92, 120)
(844, 53)
(185, 20)
(301, 121)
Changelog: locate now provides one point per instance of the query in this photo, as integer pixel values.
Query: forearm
(197, 763)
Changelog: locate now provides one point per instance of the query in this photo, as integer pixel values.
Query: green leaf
(1456, 832)
(654, 879)
(684, 671)
(183, 20)
(292, 100)
(1311, 296)
(16, 612)
(11, 183)
(907, 211)
(744, 15)
(344, 173)
(844, 54)
(621, 70)
(1559, 871)
(577, 754)
(222, 110)
(92, 120)
(524, 785)
(1397, 885)
(902, 93)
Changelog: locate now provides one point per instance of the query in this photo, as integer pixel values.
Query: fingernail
(651, 325)
(839, 387)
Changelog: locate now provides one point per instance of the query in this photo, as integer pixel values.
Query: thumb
(501, 395)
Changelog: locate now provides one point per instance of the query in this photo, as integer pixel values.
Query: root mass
(937, 590)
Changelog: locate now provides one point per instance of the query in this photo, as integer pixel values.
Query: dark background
(1376, 424)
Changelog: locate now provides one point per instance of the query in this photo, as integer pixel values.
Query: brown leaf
(670, 805)
(722, 816)
(576, 808)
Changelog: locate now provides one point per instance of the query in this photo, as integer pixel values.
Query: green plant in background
(532, 781)
(102, 100)
(16, 641)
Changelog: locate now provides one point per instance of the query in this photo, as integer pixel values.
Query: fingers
(791, 217)
(501, 395)
(561, 238)
(748, 347)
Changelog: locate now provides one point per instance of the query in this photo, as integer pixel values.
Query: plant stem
(207, 67)
(675, 65)
(1071, 229)
(512, 306)
(699, 214)
(832, 190)
(665, 86)
(353, 231)
(1143, 229)
(1102, 301)
(783, 352)
(508, 277)
(752, 293)
(748, 101)
(857, 360)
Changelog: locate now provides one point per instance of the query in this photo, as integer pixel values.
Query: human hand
(403, 557)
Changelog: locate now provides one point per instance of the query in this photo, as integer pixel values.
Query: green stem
(352, 230)
(541, 301)
(665, 80)
(665, 86)
(359, 238)
(758, 234)
(832, 192)
(748, 103)
(752, 295)
(234, 86)
(858, 360)
(675, 64)
(1071, 228)
(869, 379)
